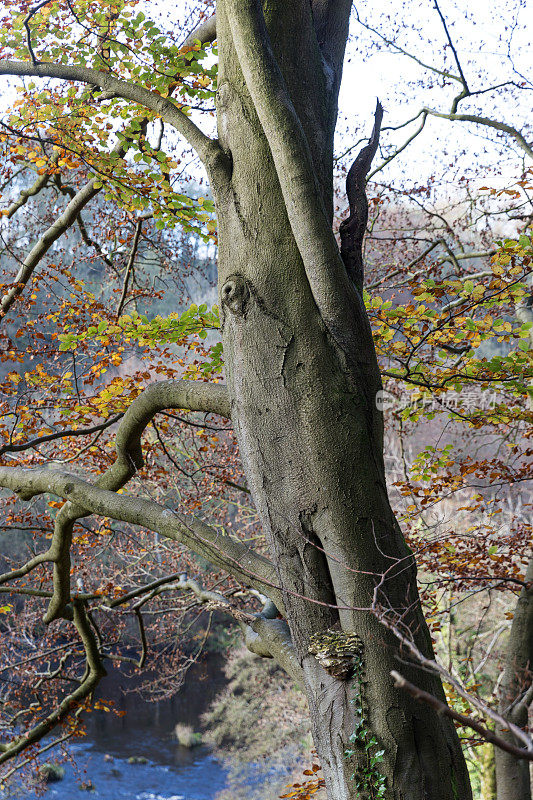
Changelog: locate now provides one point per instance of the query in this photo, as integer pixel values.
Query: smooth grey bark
(302, 378)
(512, 774)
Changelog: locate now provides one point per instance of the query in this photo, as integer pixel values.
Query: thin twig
(442, 708)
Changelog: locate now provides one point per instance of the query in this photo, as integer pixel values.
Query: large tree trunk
(303, 403)
(512, 774)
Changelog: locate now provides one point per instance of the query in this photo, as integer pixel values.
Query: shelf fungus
(337, 652)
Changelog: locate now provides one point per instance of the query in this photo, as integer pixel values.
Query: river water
(168, 775)
(145, 731)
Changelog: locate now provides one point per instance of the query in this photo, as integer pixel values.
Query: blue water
(144, 730)
(194, 775)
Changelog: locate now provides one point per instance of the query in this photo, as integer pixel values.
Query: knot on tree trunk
(234, 295)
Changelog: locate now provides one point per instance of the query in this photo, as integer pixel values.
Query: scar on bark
(352, 230)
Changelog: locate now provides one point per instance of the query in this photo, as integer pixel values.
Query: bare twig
(50, 437)
(129, 266)
(26, 24)
(433, 666)
(442, 708)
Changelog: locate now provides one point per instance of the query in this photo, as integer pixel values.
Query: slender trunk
(512, 774)
(488, 775)
(310, 437)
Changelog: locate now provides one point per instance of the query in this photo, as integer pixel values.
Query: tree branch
(460, 78)
(490, 123)
(226, 552)
(204, 33)
(57, 229)
(271, 638)
(191, 395)
(40, 183)
(129, 266)
(94, 671)
(50, 437)
(212, 599)
(402, 147)
(430, 67)
(466, 90)
(352, 229)
(208, 149)
(442, 708)
(223, 551)
(433, 666)
(265, 634)
(26, 23)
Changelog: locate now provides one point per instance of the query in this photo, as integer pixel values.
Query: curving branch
(215, 601)
(271, 638)
(517, 135)
(39, 184)
(209, 151)
(26, 22)
(204, 33)
(192, 395)
(211, 599)
(85, 498)
(225, 552)
(209, 398)
(352, 229)
(93, 673)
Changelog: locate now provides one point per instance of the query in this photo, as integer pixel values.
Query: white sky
(481, 30)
